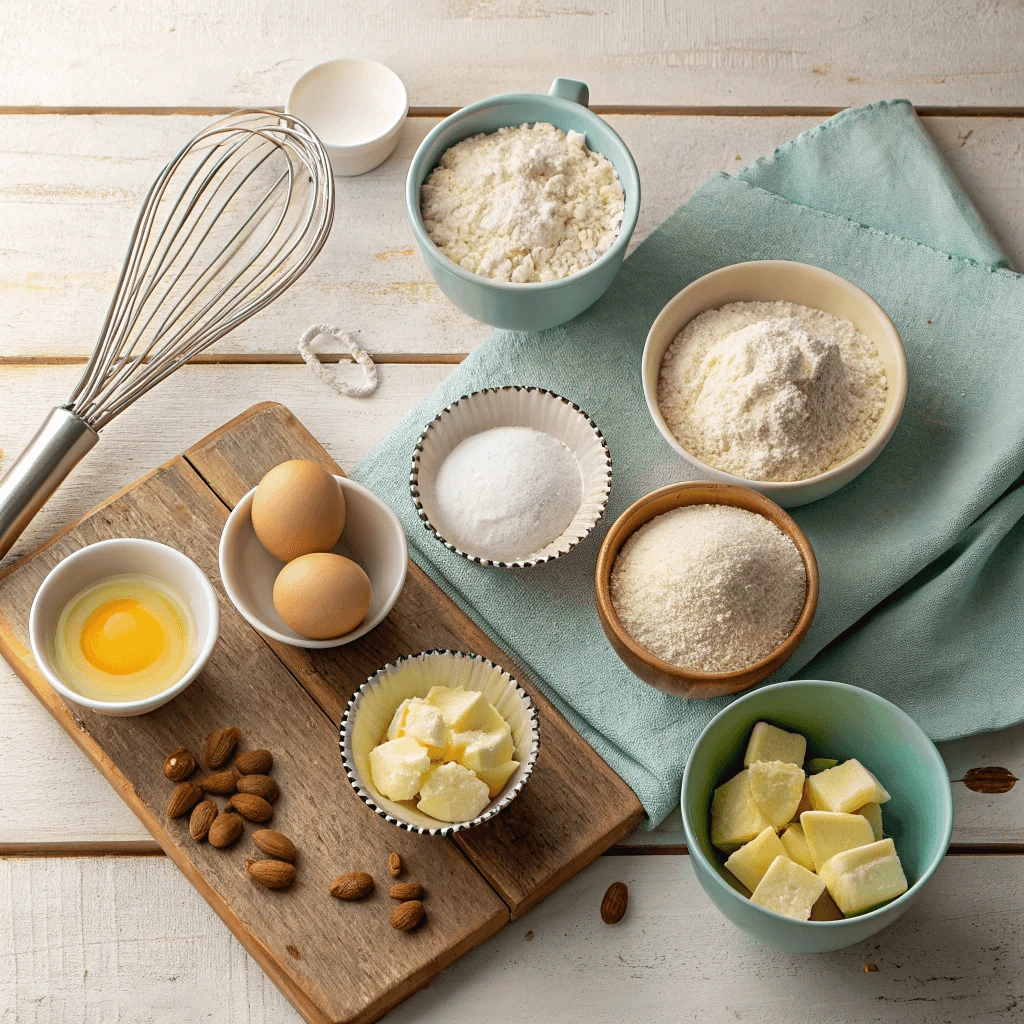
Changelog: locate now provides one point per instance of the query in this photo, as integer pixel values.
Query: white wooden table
(95, 924)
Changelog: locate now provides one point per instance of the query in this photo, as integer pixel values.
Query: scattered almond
(203, 815)
(274, 874)
(179, 765)
(353, 885)
(222, 783)
(254, 762)
(250, 806)
(275, 845)
(227, 828)
(220, 745)
(184, 797)
(407, 915)
(406, 891)
(613, 906)
(395, 865)
(259, 785)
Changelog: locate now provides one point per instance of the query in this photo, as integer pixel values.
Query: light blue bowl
(839, 721)
(525, 307)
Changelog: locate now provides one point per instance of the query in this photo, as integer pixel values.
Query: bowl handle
(570, 89)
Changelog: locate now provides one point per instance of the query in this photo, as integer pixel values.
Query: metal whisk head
(230, 223)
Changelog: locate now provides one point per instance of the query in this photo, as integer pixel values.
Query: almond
(220, 745)
(406, 891)
(352, 886)
(275, 845)
(613, 906)
(274, 874)
(222, 783)
(250, 806)
(179, 765)
(406, 916)
(184, 797)
(259, 785)
(254, 762)
(202, 818)
(226, 829)
(395, 865)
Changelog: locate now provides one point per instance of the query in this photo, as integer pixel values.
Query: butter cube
(845, 788)
(769, 743)
(752, 860)
(776, 787)
(819, 764)
(787, 888)
(865, 877)
(479, 751)
(828, 833)
(735, 818)
(461, 709)
(497, 777)
(873, 812)
(421, 721)
(794, 842)
(398, 767)
(453, 793)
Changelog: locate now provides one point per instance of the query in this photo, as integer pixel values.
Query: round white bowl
(356, 107)
(373, 538)
(515, 406)
(773, 281)
(373, 705)
(122, 556)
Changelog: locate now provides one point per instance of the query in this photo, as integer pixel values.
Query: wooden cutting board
(335, 961)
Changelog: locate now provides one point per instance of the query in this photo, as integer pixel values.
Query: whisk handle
(56, 449)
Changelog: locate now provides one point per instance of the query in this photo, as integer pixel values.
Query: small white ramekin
(98, 562)
(371, 708)
(373, 538)
(515, 406)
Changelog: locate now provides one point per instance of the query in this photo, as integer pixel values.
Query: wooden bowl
(680, 681)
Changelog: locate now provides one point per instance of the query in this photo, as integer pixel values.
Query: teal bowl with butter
(839, 721)
(533, 306)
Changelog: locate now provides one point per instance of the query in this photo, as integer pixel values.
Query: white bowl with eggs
(63, 625)
(372, 537)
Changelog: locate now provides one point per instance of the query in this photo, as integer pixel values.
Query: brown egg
(322, 595)
(298, 508)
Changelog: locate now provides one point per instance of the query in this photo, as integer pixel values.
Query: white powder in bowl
(709, 588)
(506, 493)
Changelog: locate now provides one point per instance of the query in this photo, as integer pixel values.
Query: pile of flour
(524, 204)
(771, 390)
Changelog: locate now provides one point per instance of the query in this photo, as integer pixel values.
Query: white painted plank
(451, 52)
(71, 186)
(91, 940)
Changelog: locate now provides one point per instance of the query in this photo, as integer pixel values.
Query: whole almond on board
(180, 764)
(254, 762)
(613, 906)
(227, 828)
(259, 785)
(275, 845)
(406, 891)
(274, 874)
(222, 783)
(250, 806)
(352, 886)
(220, 745)
(407, 915)
(395, 865)
(202, 818)
(184, 797)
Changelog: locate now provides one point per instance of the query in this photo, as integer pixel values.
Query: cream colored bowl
(773, 281)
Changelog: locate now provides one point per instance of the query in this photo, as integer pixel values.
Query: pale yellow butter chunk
(752, 860)
(735, 818)
(422, 722)
(794, 842)
(776, 787)
(497, 777)
(830, 832)
(845, 788)
(479, 751)
(787, 888)
(398, 767)
(769, 743)
(453, 793)
(865, 877)
(873, 812)
(461, 709)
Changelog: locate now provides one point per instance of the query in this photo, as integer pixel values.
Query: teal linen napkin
(920, 558)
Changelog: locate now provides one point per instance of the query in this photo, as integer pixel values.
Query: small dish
(123, 556)
(356, 107)
(515, 406)
(771, 281)
(651, 669)
(373, 538)
(371, 708)
(841, 721)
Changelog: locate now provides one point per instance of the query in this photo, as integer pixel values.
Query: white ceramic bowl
(515, 407)
(122, 556)
(373, 538)
(772, 281)
(356, 107)
(371, 708)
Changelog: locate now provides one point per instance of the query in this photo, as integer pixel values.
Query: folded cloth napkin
(921, 558)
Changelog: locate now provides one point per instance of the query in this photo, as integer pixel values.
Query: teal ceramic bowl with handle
(839, 721)
(534, 306)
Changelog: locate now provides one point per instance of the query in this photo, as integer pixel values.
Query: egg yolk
(121, 637)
